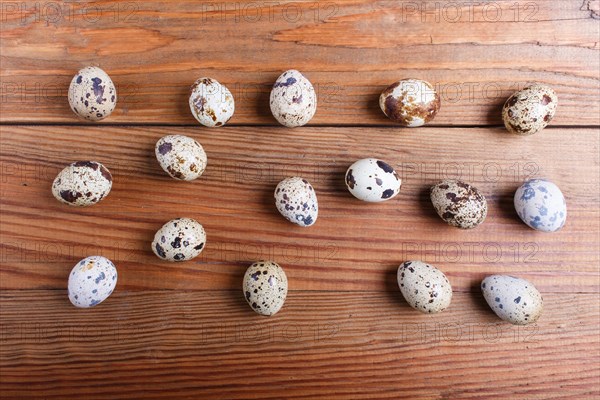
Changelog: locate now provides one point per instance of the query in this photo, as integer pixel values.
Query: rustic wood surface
(184, 330)
(476, 55)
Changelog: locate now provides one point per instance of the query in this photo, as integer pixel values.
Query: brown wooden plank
(168, 344)
(353, 246)
(476, 55)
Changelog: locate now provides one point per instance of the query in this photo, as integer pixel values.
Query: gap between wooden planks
(354, 246)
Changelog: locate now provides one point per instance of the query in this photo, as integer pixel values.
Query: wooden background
(184, 330)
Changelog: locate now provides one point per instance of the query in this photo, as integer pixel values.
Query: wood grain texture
(353, 246)
(475, 53)
(184, 330)
(167, 344)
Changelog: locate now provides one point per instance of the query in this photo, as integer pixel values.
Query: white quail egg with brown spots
(541, 205)
(512, 299)
(91, 281)
(459, 204)
(296, 200)
(372, 180)
(410, 102)
(293, 99)
(82, 183)
(211, 103)
(424, 287)
(181, 157)
(530, 110)
(265, 287)
(92, 94)
(180, 239)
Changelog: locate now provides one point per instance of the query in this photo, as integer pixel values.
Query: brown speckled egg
(181, 157)
(459, 204)
(92, 94)
(293, 99)
(180, 239)
(83, 183)
(530, 110)
(265, 287)
(424, 287)
(512, 299)
(211, 103)
(410, 102)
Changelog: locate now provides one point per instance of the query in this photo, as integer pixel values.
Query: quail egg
(181, 157)
(530, 110)
(91, 281)
(265, 287)
(211, 103)
(92, 94)
(541, 205)
(372, 180)
(410, 102)
(296, 200)
(459, 204)
(293, 99)
(82, 183)
(424, 287)
(180, 239)
(512, 299)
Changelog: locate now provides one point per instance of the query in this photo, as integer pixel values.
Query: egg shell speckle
(181, 157)
(372, 180)
(459, 204)
(541, 205)
(92, 94)
(211, 103)
(293, 99)
(180, 239)
(424, 287)
(530, 110)
(91, 281)
(512, 299)
(265, 287)
(410, 102)
(296, 200)
(82, 183)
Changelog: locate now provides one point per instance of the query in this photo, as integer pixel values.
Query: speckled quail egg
(424, 287)
(211, 103)
(530, 110)
(512, 299)
(410, 102)
(82, 183)
(92, 94)
(459, 204)
(181, 157)
(541, 205)
(180, 239)
(296, 200)
(91, 281)
(265, 287)
(372, 180)
(293, 99)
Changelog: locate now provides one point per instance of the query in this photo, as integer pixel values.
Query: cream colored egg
(82, 183)
(293, 99)
(265, 287)
(92, 94)
(424, 287)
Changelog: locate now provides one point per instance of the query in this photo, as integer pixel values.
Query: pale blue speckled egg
(91, 281)
(541, 205)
